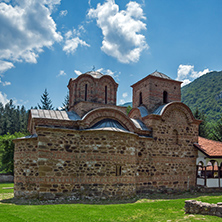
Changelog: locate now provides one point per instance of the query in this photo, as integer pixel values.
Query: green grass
(156, 208)
(4, 188)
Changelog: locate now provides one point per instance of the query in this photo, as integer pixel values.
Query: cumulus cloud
(73, 40)
(63, 13)
(3, 98)
(72, 44)
(120, 29)
(187, 74)
(27, 27)
(61, 73)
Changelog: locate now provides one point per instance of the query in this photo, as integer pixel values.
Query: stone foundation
(198, 207)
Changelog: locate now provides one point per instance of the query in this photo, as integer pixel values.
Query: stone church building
(96, 150)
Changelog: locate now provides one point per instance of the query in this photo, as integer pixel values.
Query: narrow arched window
(165, 97)
(85, 92)
(140, 99)
(105, 94)
(175, 137)
(118, 170)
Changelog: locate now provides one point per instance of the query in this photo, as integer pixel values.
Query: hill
(205, 93)
(127, 104)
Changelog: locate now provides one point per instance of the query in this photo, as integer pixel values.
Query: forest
(13, 124)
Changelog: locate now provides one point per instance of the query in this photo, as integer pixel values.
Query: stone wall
(26, 168)
(198, 207)
(6, 178)
(86, 164)
(169, 163)
(77, 163)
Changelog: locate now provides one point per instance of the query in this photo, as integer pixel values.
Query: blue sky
(44, 43)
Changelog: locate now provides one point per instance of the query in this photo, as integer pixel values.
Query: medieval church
(97, 150)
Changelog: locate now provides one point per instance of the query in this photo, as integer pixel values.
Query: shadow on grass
(140, 198)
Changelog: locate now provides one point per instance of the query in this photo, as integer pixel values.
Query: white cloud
(187, 74)
(63, 13)
(61, 73)
(122, 101)
(77, 72)
(5, 83)
(109, 72)
(106, 72)
(198, 74)
(125, 94)
(72, 44)
(3, 98)
(120, 30)
(27, 27)
(4, 66)
(185, 82)
(73, 41)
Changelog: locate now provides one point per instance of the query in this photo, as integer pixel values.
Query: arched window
(118, 170)
(165, 97)
(105, 94)
(200, 169)
(140, 99)
(175, 137)
(85, 92)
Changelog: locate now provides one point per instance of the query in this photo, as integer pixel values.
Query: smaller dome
(109, 124)
(95, 74)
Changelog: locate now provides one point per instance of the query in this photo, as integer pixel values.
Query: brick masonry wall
(152, 92)
(82, 108)
(95, 89)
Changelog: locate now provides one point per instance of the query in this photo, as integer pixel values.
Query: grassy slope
(203, 93)
(142, 210)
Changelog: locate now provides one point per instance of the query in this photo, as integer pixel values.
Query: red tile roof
(209, 147)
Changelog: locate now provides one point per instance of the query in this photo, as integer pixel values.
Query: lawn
(155, 208)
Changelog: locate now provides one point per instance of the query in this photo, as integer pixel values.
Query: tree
(46, 101)
(12, 119)
(128, 109)
(217, 130)
(7, 151)
(203, 128)
(65, 104)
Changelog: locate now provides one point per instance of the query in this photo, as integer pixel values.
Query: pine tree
(46, 101)
(65, 104)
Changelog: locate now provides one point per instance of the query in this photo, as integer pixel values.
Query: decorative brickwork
(96, 151)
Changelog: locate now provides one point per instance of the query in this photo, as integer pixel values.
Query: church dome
(95, 74)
